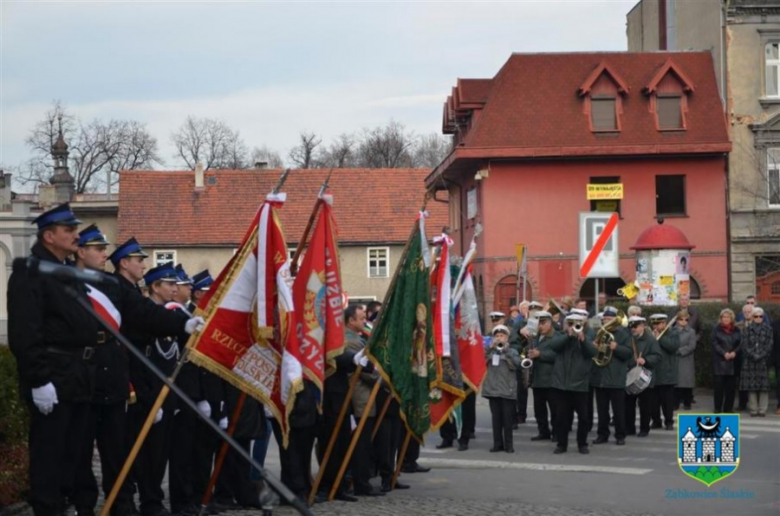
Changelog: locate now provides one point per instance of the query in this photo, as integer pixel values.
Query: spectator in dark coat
(725, 346)
(756, 347)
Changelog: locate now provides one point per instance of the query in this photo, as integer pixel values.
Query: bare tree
(266, 155)
(211, 142)
(430, 150)
(303, 153)
(339, 154)
(97, 150)
(386, 147)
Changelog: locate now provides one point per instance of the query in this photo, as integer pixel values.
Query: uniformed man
(571, 380)
(666, 372)
(53, 340)
(107, 421)
(543, 363)
(519, 339)
(609, 383)
(646, 354)
(201, 284)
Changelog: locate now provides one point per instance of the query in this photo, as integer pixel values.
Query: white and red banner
(467, 329)
(249, 336)
(104, 307)
(441, 285)
(319, 301)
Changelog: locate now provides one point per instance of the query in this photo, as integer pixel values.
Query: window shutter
(603, 114)
(669, 112)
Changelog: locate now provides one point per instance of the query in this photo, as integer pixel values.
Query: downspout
(727, 118)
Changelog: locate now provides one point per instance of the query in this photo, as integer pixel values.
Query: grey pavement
(640, 478)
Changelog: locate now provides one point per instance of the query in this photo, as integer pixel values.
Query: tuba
(604, 337)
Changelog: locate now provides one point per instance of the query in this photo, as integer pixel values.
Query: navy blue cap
(59, 216)
(183, 278)
(92, 236)
(164, 272)
(202, 280)
(129, 248)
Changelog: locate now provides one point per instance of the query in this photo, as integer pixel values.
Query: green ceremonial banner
(401, 344)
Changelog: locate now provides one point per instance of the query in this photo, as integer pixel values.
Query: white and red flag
(318, 299)
(249, 336)
(467, 330)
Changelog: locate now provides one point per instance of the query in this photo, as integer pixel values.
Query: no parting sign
(599, 252)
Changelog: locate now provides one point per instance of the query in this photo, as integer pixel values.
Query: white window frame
(158, 261)
(771, 62)
(386, 258)
(772, 167)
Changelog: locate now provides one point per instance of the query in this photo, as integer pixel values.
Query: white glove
(194, 324)
(158, 416)
(45, 397)
(360, 358)
(223, 423)
(204, 408)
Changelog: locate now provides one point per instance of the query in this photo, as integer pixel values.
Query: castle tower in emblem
(727, 446)
(689, 446)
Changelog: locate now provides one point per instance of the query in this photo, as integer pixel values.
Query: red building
(530, 140)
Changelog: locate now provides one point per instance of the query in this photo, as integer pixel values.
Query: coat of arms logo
(708, 445)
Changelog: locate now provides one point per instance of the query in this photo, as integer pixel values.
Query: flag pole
(222, 453)
(309, 225)
(401, 458)
(381, 416)
(139, 441)
(333, 437)
(355, 437)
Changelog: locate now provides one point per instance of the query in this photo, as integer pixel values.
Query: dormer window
(602, 94)
(668, 92)
(603, 113)
(669, 112)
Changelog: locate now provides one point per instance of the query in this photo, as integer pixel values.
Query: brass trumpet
(500, 346)
(526, 363)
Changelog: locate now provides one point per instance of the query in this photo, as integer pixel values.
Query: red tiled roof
(370, 205)
(533, 108)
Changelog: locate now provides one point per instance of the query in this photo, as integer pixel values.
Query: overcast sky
(271, 69)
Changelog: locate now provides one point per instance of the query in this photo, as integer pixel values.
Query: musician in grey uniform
(647, 355)
(666, 372)
(543, 363)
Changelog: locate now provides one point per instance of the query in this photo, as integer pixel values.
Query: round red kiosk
(663, 262)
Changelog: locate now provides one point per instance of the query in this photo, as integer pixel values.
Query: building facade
(531, 140)
(743, 37)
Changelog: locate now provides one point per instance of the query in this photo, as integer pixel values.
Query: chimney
(199, 175)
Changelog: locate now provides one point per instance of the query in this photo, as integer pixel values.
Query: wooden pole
(222, 452)
(309, 225)
(355, 437)
(147, 426)
(381, 416)
(334, 435)
(401, 458)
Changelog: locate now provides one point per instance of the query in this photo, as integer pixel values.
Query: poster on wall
(682, 260)
(471, 203)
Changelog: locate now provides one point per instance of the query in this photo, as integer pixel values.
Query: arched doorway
(506, 292)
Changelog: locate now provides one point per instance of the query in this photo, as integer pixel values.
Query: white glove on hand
(158, 416)
(194, 324)
(360, 358)
(204, 408)
(223, 423)
(45, 397)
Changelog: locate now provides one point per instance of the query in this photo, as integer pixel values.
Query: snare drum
(637, 380)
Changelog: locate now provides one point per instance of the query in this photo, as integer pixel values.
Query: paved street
(640, 478)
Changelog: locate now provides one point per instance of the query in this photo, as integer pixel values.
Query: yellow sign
(520, 248)
(607, 206)
(609, 191)
(666, 281)
(629, 291)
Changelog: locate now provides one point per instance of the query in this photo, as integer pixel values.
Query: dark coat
(613, 375)
(573, 361)
(686, 368)
(545, 362)
(666, 371)
(757, 341)
(776, 346)
(723, 343)
(647, 347)
(368, 377)
(48, 331)
(251, 420)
